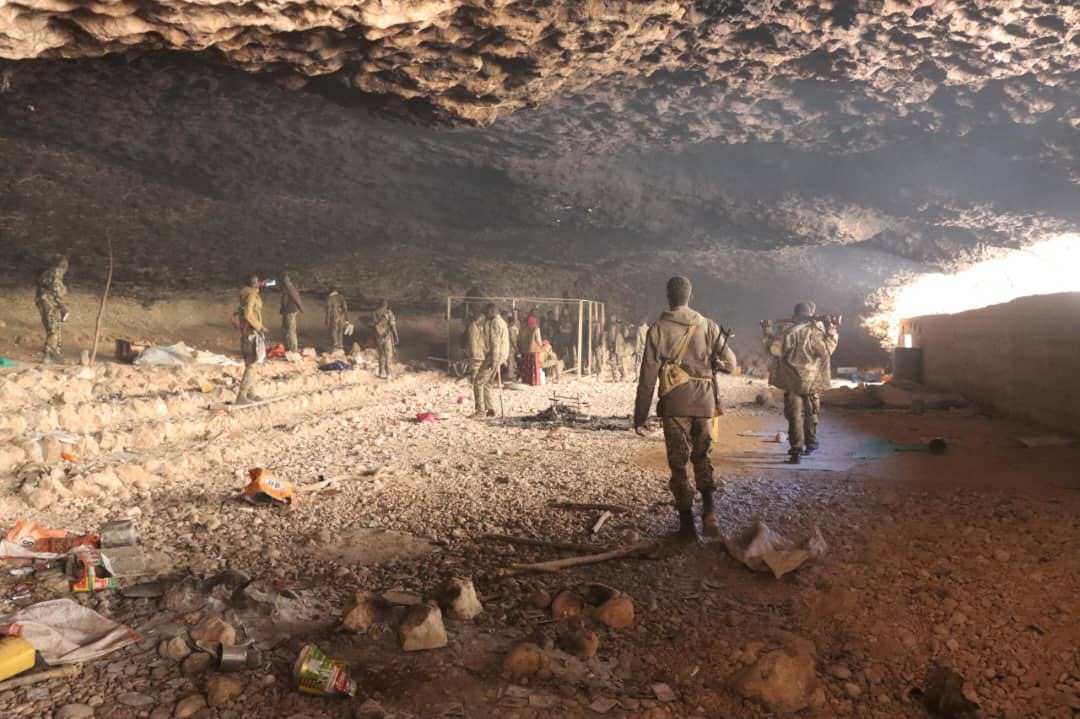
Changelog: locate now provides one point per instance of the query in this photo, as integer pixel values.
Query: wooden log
(633, 550)
(101, 308)
(589, 506)
(530, 542)
(63, 672)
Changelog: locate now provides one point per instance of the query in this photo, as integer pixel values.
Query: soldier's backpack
(672, 374)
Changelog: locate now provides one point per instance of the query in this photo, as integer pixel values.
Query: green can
(319, 675)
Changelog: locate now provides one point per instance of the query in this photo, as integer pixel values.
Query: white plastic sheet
(65, 632)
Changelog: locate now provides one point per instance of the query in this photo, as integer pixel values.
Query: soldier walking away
(682, 351)
(617, 349)
(252, 338)
(801, 351)
(641, 334)
(290, 307)
(499, 340)
(386, 337)
(337, 316)
(49, 299)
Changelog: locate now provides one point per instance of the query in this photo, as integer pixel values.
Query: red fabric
(277, 350)
(531, 321)
(529, 368)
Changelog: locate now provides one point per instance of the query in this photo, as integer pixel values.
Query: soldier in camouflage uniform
(252, 331)
(386, 336)
(686, 349)
(617, 349)
(800, 353)
(514, 331)
(481, 368)
(337, 316)
(49, 299)
(290, 307)
(641, 334)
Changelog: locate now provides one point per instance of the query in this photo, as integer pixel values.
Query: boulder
(36, 497)
(197, 663)
(189, 706)
(214, 630)
(459, 598)
(567, 605)
(176, 649)
(363, 611)
(616, 613)
(221, 689)
(422, 628)
(581, 642)
(524, 660)
(50, 450)
(783, 680)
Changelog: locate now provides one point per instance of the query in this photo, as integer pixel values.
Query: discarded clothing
(181, 354)
(335, 366)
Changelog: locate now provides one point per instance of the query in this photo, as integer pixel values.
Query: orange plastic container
(16, 656)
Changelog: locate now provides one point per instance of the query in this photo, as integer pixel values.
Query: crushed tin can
(231, 658)
(119, 533)
(318, 675)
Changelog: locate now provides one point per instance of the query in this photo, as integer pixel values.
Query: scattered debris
(264, 488)
(317, 674)
(663, 693)
(764, 550)
(944, 696)
(23, 680)
(364, 611)
(65, 632)
(600, 521)
(590, 506)
(16, 656)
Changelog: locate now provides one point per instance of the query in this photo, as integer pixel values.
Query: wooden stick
(101, 308)
(634, 550)
(530, 542)
(604, 516)
(586, 506)
(68, 670)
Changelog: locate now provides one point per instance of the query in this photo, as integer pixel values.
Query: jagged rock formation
(839, 142)
(839, 72)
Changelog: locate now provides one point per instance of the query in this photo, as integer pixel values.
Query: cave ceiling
(924, 131)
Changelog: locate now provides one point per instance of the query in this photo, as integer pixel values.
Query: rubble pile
(382, 589)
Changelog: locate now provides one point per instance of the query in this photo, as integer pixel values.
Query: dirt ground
(965, 559)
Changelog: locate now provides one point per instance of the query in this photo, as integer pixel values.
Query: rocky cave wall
(771, 150)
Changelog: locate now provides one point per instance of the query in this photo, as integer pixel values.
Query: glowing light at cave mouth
(1040, 269)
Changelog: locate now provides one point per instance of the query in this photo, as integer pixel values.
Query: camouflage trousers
(337, 334)
(688, 442)
(386, 355)
(50, 319)
(617, 362)
(247, 380)
(288, 328)
(801, 411)
(483, 378)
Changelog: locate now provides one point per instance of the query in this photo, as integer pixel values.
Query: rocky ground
(965, 561)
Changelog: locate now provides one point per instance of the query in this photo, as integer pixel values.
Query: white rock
(461, 600)
(422, 628)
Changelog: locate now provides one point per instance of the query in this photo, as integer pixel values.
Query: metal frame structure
(591, 312)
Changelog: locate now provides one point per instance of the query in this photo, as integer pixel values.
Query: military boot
(709, 527)
(795, 456)
(687, 533)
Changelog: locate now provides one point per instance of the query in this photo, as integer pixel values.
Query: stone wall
(1018, 358)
